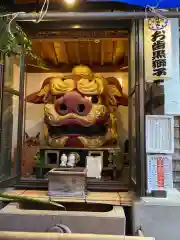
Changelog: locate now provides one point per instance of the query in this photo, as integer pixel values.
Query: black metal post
(129, 112)
(142, 139)
(82, 16)
(130, 115)
(20, 117)
(140, 113)
(2, 69)
(138, 170)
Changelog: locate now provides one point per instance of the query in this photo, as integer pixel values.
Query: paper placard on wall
(159, 172)
(94, 166)
(157, 52)
(159, 134)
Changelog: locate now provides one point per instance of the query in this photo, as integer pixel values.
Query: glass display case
(33, 156)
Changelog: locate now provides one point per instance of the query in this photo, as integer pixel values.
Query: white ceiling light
(70, 2)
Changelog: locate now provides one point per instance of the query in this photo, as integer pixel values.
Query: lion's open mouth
(94, 130)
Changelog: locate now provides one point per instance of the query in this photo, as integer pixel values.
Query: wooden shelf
(103, 148)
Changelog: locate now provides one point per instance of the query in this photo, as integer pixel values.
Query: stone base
(108, 222)
(158, 217)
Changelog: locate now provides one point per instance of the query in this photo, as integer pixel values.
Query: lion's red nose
(73, 102)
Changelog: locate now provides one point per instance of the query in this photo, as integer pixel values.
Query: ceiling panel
(97, 52)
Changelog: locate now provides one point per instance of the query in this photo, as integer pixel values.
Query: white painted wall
(35, 113)
(172, 86)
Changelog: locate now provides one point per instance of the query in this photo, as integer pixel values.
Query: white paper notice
(94, 166)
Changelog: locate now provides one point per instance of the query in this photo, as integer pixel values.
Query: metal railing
(82, 16)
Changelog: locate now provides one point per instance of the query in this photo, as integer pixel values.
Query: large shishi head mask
(79, 108)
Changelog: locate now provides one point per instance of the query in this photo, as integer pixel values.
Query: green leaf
(10, 42)
(28, 199)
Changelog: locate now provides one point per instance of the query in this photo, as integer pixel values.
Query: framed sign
(159, 172)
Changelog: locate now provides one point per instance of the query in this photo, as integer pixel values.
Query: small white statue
(71, 160)
(63, 160)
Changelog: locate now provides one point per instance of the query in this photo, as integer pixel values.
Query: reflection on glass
(133, 110)
(12, 73)
(132, 57)
(154, 102)
(9, 134)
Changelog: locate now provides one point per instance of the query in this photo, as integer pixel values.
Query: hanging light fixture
(70, 2)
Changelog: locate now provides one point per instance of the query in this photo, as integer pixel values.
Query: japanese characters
(159, 58)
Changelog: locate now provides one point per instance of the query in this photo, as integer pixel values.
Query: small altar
(50, 158)
(114, 175)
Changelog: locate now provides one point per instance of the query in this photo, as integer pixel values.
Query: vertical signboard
(157, 50)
